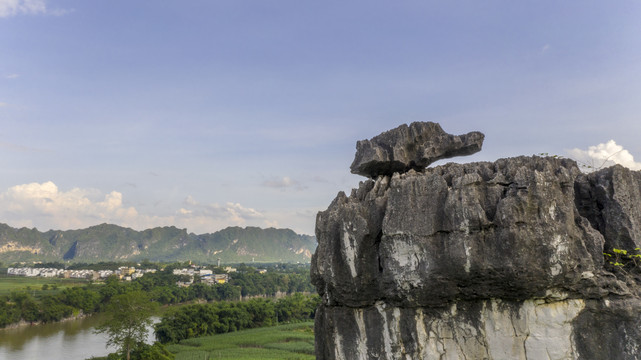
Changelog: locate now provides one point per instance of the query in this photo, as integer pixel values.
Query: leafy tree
(128, 316)
(52, 309)
(9, 312)
(111, 288)
(262, 311)
(185, 322)
(163, 295)
(26, 305)
(81, 298)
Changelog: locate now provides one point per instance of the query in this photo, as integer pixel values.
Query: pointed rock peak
(411, 147)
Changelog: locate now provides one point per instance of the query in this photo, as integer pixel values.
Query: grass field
(34, 284)
(287, 342)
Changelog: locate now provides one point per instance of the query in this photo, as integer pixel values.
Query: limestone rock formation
(499, 260)
(411, 147)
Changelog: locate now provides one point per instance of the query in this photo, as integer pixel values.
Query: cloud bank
(45, 206)
(605, 154)
(27, 7)
(10, 8)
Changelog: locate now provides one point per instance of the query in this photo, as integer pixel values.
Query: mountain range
(108, 242)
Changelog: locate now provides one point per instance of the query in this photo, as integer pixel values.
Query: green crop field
(292, 341)
(33, 285)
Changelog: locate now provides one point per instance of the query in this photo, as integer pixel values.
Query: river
(68, 340)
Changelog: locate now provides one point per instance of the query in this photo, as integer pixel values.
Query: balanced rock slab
(411, 147)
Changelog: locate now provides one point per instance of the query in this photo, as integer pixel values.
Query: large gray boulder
(499, 260)
(411, 147)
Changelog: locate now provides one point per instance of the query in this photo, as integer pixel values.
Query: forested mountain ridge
(107, 242)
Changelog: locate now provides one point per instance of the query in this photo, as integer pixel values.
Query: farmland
(291, 341)
(9, 284)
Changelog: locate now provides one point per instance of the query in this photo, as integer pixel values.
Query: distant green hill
(114, 243)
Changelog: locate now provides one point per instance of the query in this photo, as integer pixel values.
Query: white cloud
(284, 183)
(202, 218)
(45, 206)
(3, 104)
(11, 76)
(605, 154)
(545, 48)
(15, 7)
(301, 220)
(28, 7)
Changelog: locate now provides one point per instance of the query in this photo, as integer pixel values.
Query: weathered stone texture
(411, 147)
(498, 260)
(487, 329)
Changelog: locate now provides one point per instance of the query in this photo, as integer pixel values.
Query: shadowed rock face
(485, 260)
(411, 147)
(611, 200)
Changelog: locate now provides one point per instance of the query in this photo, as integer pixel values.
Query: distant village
(206, 276)
(125, 273)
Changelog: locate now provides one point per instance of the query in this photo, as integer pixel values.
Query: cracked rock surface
(500, 260)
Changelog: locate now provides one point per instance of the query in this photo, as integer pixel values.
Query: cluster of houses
(206, 276)
(126, 273)
(123, 273)
(32, 272)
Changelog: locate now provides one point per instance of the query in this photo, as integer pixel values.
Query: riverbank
(23, 323)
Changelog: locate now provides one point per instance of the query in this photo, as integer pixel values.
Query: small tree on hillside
(128, 316)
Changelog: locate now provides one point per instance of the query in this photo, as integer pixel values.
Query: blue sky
(207, 114)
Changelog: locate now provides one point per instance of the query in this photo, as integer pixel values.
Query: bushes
(218, 318)
(143, 351)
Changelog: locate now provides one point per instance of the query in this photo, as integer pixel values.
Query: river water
(69, 340)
